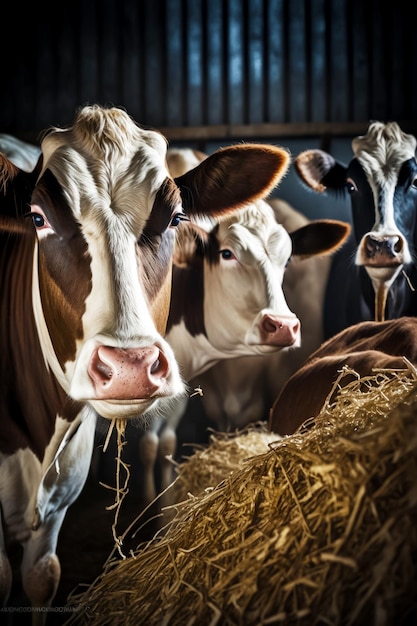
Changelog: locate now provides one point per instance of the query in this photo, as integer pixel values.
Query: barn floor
(86, 539)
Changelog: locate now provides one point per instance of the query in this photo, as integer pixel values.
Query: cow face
(382, 182)
(238, 268)
(227, 298)
(245, 310)
(245, 272)
(105, 211)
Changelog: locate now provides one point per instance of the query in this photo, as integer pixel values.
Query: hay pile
(226, 453)
(319, 529)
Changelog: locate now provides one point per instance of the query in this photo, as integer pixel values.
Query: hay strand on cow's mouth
(320, 529)
(120, 490)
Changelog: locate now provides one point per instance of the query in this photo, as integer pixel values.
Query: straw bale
(319, 529)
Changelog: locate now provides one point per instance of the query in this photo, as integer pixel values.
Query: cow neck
(50, 358)
(29, 420)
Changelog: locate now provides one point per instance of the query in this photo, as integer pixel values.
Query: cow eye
(178, 217)
(227, 255)
(39, 220)
(414, 183)
(350, 186)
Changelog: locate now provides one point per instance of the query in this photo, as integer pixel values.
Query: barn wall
(213, 68)
(300, 73)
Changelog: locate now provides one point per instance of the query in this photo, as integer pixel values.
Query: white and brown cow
(365, 347)
(242, 391)
(86, 247)
(227, 302)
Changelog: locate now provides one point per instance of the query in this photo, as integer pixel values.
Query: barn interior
(301, 74)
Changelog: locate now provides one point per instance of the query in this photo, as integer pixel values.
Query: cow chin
(383, 275)
(117, 410)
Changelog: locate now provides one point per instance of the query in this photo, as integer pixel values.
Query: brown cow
(364, 347)
(86, 250)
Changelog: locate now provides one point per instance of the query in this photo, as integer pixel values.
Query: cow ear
(16, 186)
(232, 177)
(189, 237)
(319, 237)
(8, 170)
(319, 171)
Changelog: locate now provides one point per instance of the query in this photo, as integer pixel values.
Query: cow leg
(148, 454)
(5, 569)
(168, 446)
(60, 486)
(41, 570)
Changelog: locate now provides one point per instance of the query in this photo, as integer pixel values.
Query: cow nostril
(155, 366)
(160, 366)
(271, 326)
(104, 369)
(398, 245)
(372, 245)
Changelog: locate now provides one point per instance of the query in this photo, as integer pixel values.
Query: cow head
(105, 211)
(382, 182)
(231, 281)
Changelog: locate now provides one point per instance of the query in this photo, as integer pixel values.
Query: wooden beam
(253, 131)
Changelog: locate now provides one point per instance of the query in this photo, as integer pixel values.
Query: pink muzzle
(127, 374)
(280, 331)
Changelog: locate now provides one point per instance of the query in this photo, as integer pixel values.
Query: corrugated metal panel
(221, 64)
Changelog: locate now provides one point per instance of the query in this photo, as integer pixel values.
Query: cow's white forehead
(254, 229)
(255, 216)
(120, 170)
(383, 150)
(103, 132)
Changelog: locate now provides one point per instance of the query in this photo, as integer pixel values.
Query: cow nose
(127, 373)
(385, 248)
(280, 331)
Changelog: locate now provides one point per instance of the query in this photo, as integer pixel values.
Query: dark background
(298, 73)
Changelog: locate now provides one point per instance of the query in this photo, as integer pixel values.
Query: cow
(374, 276)
(181, 160)
(86, 250)
(364, 347)
(238, 392)
(23, 154)
(237, 307)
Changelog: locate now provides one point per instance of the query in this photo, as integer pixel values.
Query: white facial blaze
(381, 153)
(383, 188)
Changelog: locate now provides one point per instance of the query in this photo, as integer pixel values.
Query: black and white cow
(374, 275)
(86, 248)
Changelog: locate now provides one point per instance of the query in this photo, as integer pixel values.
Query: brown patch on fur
(160, 305)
